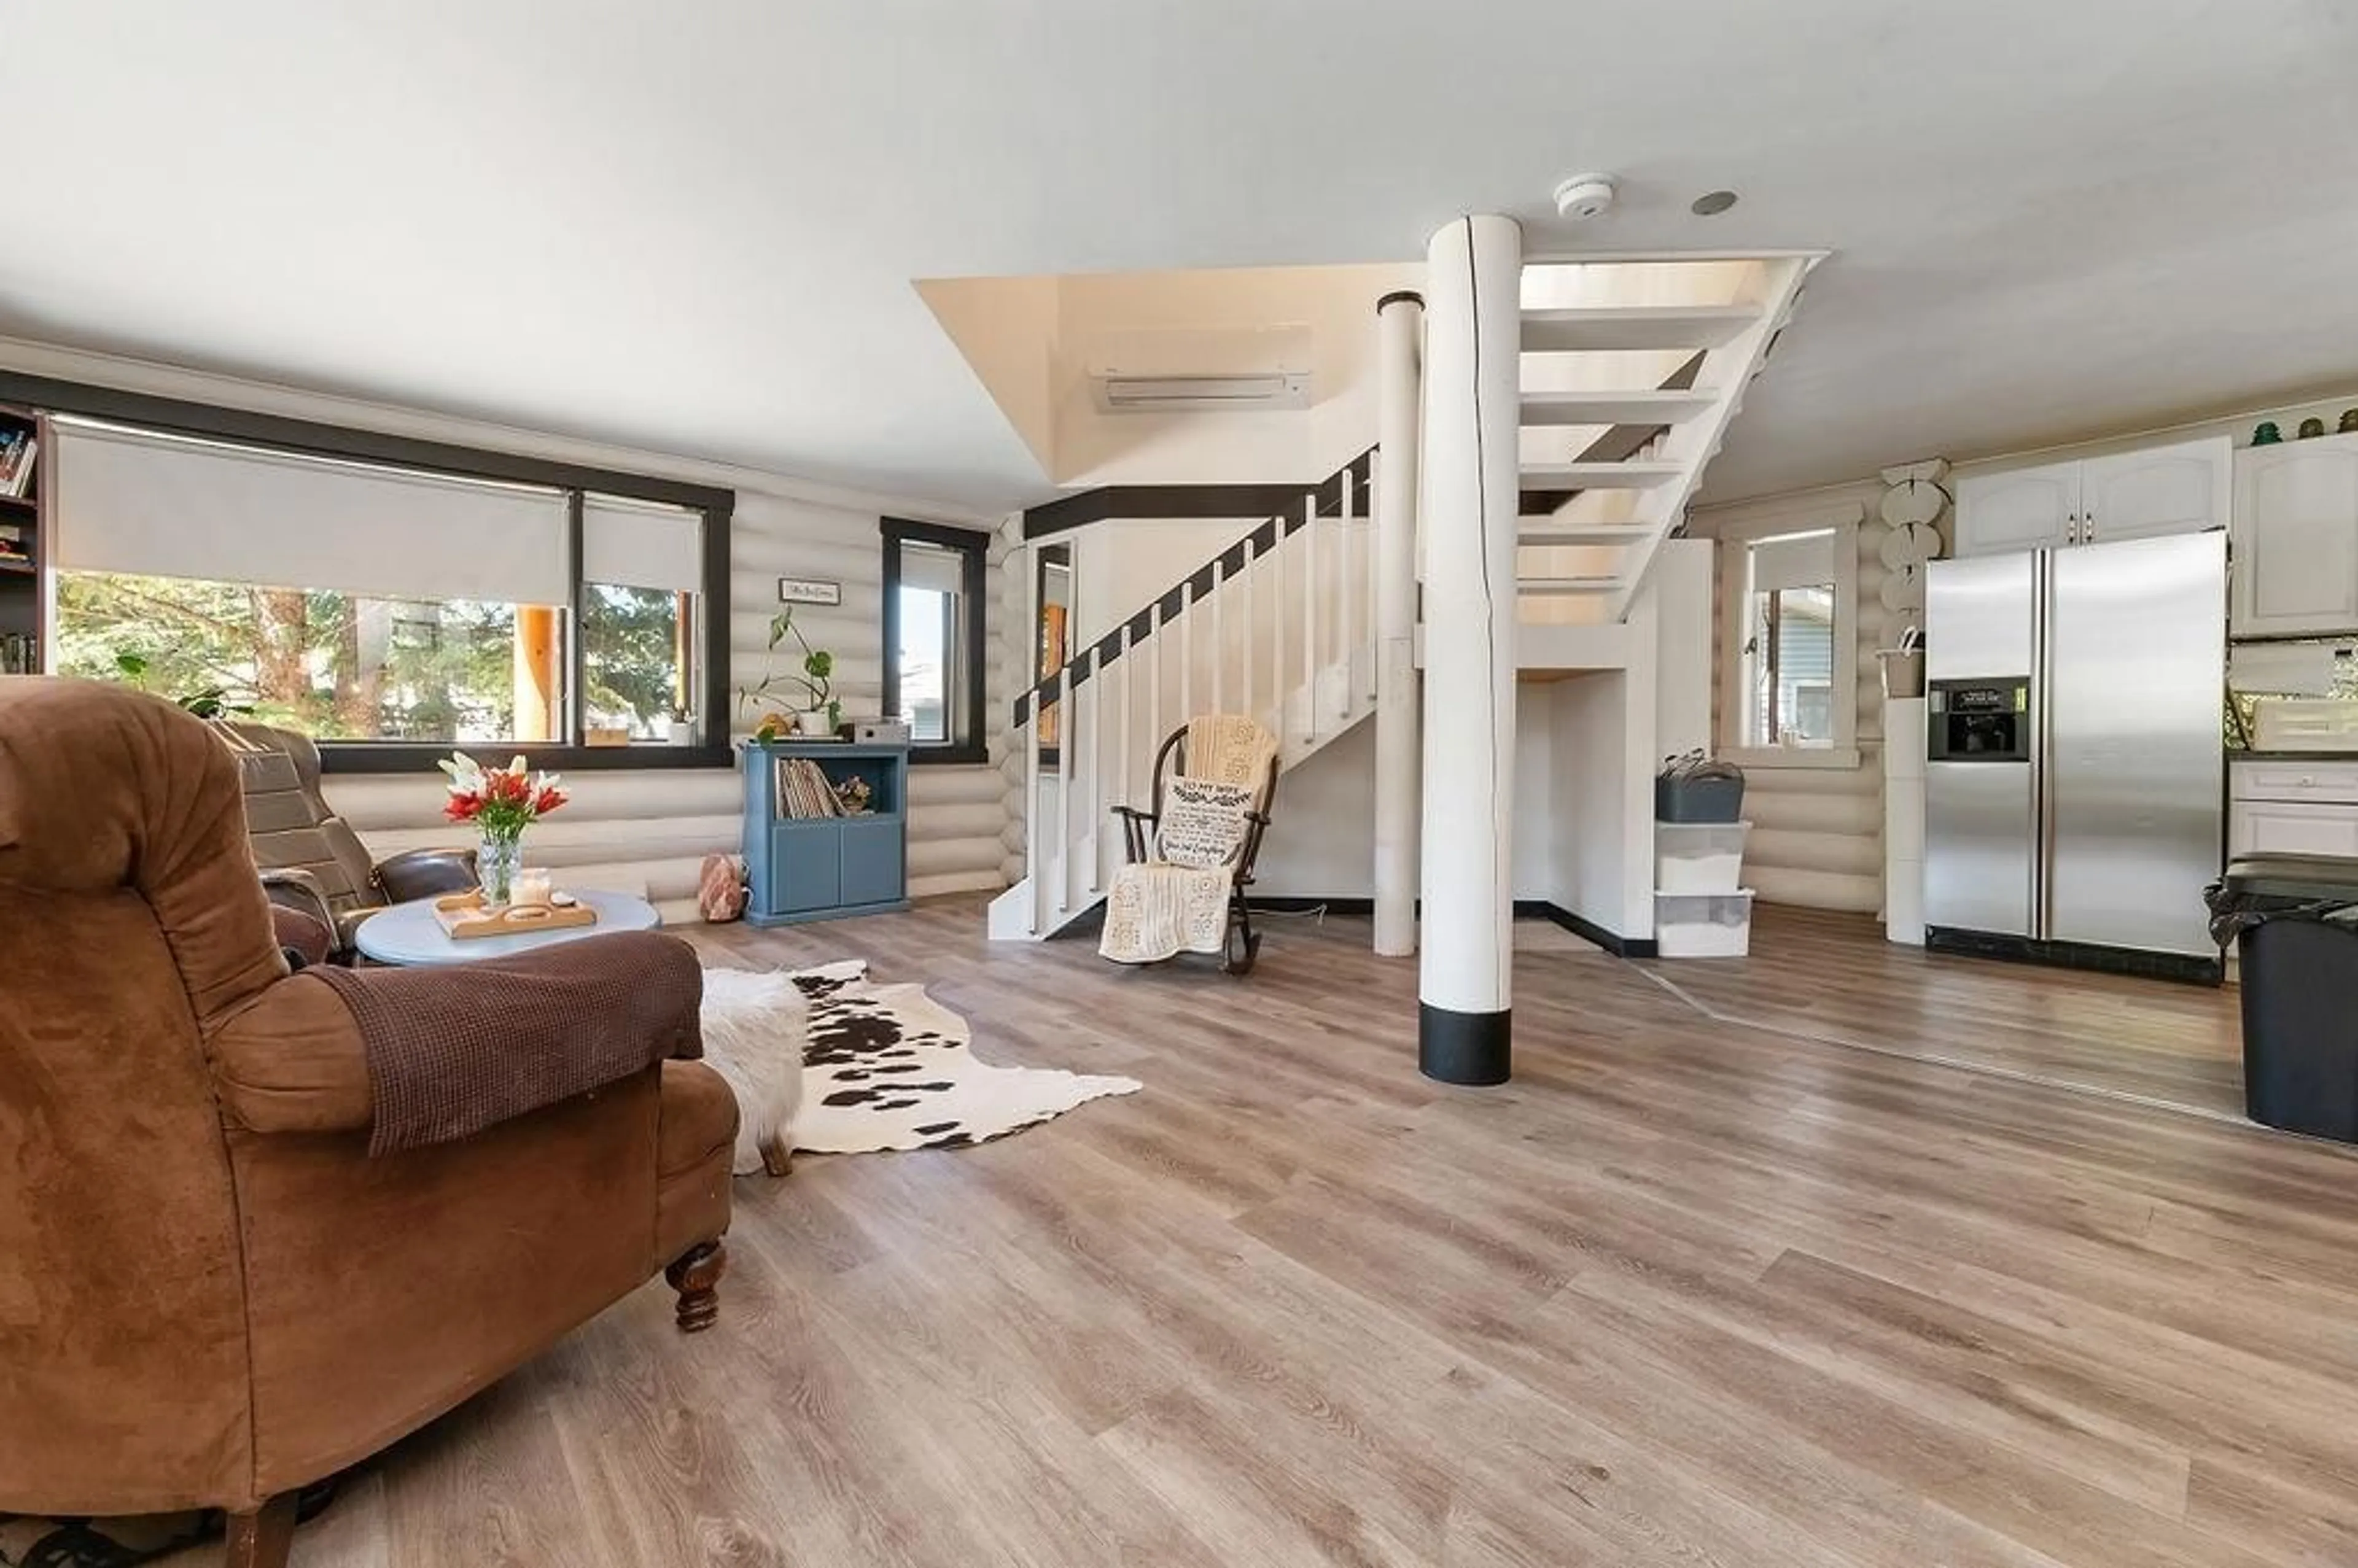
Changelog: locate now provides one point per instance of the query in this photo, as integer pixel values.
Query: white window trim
(1736, 542)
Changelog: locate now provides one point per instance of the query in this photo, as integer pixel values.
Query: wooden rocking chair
(1241, 946)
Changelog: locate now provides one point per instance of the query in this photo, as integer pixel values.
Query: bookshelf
(24, 453)
(802, 864)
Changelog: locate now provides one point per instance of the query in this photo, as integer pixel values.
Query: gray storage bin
(1699, 797)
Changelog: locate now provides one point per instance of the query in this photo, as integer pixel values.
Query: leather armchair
(310, 857)
(210, 1294)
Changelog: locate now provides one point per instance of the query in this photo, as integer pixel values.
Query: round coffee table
(408, 933)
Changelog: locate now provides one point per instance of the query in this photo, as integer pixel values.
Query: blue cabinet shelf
(825, 868)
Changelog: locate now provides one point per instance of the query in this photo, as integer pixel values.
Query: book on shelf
(20, 653)
(804, 792)
(17, 450)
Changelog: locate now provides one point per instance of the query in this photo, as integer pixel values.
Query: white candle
(531, 888)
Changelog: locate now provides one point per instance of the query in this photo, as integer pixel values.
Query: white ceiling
(693, 228)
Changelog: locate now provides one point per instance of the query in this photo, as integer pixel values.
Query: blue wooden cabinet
(821, 868)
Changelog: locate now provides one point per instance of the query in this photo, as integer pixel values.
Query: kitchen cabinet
(2293, 828)
(2295, 537)
(2180, 487)
(2183, 488)
(2293, 807)
(2023, 509)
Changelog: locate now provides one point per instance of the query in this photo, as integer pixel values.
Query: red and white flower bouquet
(501, 803)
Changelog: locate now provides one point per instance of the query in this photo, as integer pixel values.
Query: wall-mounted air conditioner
(1248, 369)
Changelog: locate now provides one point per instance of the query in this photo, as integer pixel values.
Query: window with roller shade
(369, 604)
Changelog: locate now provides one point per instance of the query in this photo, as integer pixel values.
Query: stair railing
(1265, 627)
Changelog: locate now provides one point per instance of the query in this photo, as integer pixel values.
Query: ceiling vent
(1248, 369)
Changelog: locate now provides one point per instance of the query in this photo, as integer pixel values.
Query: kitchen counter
(2349, 756)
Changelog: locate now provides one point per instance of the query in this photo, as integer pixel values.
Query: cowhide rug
(888, 1067)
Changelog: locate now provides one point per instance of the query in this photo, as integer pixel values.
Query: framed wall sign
(808, 590)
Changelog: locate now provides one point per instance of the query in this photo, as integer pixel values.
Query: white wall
(650, 829)
(1817, 831)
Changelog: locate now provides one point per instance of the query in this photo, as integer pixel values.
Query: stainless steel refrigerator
(2075, 768)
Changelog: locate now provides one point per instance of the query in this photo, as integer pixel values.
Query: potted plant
(819, 712)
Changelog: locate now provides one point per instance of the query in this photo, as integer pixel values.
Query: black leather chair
(309, 858)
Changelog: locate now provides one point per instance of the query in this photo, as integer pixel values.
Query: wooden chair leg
(695, 1275)
(778, 1156)
(263, 1537)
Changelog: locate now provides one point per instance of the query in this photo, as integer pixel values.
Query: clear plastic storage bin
(1703, 925)
(1699, 857)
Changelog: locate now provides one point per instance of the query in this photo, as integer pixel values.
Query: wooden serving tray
(463, 916)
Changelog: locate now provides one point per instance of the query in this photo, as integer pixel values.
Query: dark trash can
(2295, 925)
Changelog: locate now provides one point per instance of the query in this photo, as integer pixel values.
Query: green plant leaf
(820, 665)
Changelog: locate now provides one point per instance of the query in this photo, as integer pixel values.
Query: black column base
(1469, 1048)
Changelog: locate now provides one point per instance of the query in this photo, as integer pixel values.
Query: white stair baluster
(1091, 786)
(1028, 737)
(1154, 641)
(1343, 577)
(1065, 747)
(1129, 677)
(1310, 615)
(1187, 657)
(1219, 640)
(1245, 604)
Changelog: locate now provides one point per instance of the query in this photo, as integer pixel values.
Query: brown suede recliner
(210, 1294)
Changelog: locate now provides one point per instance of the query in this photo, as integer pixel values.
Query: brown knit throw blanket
(455, 1049)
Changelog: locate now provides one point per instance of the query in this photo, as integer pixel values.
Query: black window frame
(714, 748)
(974, 548)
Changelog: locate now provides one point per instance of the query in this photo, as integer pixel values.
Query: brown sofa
(210, 1294)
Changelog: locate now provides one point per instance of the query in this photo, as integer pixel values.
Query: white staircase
(1631, 373)
(1280, 627)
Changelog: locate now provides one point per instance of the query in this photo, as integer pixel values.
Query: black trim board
(1620, 947)
(718, 506)
(1158, 501)
(2185, 968)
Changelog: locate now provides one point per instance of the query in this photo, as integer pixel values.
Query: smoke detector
(1584, 196)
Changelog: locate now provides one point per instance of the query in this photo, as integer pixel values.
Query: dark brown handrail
(1197, 585)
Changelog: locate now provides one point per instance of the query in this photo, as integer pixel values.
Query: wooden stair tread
(1635, 474)
(1593, 327)
(1617, 407)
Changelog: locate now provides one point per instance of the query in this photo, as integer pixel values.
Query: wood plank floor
(1832, 976)
(1684, 1292)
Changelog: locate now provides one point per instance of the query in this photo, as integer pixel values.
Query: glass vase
(498, 859)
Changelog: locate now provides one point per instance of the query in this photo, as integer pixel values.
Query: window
(1792, 653)
(389, 609)
(1790, 591)
(933, 638)
(334, 666)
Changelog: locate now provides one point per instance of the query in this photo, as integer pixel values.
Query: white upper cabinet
(2180, 489)
(2183, 488)
(2295, 537)
(2026, 509)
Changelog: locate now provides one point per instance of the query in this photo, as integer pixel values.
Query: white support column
(1399, 348)
(1471, 483)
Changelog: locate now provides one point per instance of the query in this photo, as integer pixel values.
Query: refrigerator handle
(2042, 744)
